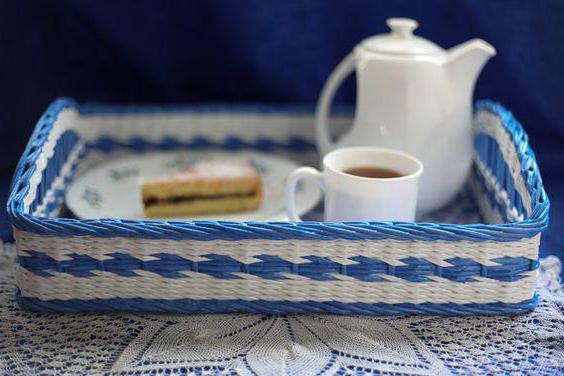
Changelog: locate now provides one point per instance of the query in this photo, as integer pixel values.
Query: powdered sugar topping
(213, 170)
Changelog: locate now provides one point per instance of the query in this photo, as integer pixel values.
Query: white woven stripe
(491, 124)
(490, 214)
(390, 251)
(59, 182)
(500, 194)
(213, 126)
(203, 287)
(66, 119)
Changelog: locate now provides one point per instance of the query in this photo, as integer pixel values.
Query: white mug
(356, 198)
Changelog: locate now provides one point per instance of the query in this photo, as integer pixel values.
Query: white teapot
(412, 96)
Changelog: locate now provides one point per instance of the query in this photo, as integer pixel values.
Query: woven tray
(69, 265)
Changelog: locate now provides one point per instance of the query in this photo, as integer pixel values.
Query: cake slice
(207, 187)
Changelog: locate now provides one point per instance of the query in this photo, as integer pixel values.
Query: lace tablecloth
(252, 344)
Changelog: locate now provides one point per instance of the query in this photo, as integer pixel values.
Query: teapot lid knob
(401, 41)
(402, 27)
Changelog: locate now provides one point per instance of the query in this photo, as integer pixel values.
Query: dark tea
(373, 172)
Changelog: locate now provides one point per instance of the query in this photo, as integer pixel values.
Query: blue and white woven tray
(71, 265)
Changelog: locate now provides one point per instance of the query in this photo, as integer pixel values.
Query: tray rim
(221, 230)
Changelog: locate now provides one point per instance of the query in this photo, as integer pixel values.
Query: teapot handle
(323, 140)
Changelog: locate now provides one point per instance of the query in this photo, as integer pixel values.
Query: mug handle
(345, 67)
(293, 179)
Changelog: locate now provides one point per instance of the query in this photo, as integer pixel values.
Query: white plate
(112, 190)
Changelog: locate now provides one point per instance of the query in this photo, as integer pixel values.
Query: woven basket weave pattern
(360, 267)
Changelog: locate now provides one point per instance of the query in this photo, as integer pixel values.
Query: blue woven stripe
(229, 143)
(490, 195)
(64, 147)
(273, 268)
(488, 150)
(265, 306)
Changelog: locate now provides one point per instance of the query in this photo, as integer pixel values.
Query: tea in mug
(373, 172)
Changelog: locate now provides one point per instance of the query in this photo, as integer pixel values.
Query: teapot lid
(401, 41)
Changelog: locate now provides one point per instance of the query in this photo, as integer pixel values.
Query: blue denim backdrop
(265, 51)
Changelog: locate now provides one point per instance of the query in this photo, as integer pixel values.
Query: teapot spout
(465, 61)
